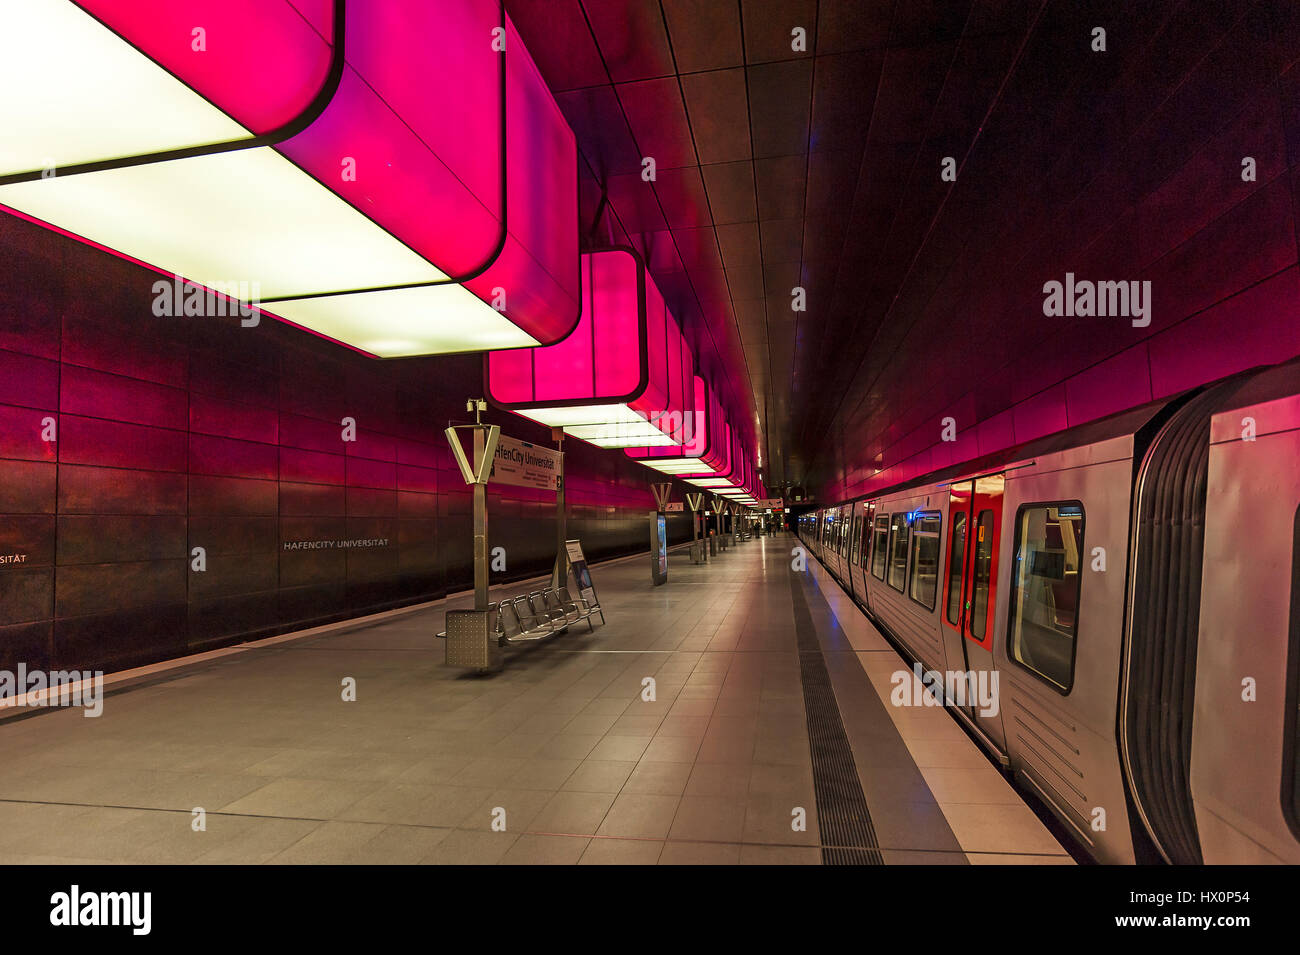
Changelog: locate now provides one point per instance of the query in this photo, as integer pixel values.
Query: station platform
(770, 705)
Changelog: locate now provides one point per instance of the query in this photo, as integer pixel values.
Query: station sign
(526, 465)
(775, 503)
(674, 507)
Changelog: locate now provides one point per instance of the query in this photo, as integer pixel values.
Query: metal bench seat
(540, 614)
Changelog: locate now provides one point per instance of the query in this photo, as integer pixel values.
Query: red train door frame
(957, 558)
(982, 546)
(974, 538)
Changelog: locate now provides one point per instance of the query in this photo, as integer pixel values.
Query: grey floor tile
(640, 816)
(699, 853)
(465, 847)
(622, 852)
(515, 809)
(440, 806)
(620, 748)
(543, 773)
(573, 813)
(600, 775)
(659, 778)
(779, 855)
(566, 746)
(531, 849)
(257, 840)
(672, 749)
(719, 779)
(306, 798)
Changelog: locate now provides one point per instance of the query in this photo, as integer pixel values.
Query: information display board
(659, 549)
(581, 573)
(526, 465)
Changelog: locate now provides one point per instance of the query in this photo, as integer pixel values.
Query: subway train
(1134, 585)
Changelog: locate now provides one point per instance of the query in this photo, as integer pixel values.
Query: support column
(560, 572)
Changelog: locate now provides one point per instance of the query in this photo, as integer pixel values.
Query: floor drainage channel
(843, 821)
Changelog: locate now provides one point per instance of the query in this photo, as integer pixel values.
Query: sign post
(561, 569)
(471, 634)
(582, 576)
(477, 474)
(699, 554)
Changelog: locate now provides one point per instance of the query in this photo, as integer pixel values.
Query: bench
(538, 615)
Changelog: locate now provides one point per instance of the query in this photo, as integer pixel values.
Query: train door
(969, 596)
(850, 561)
(865, 512)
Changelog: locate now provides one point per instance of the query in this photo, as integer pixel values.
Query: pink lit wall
(175, 433)
(1219, 250)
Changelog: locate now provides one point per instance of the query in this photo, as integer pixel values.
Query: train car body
(1130, 589)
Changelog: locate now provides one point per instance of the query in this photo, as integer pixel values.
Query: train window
(956, 567)
(980, 579)
(1044, 614)
(878, 547)
(925, 559)
(853, 541)
(897, 551)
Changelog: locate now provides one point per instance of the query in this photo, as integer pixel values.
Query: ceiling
(820, 169)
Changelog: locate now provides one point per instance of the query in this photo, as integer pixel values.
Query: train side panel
(915, 626)
(1243, 749)
(1059, 697)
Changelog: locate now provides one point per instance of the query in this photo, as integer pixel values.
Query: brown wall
(175, 433)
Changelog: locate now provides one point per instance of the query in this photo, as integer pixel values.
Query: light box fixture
(704, 441)
(623, 378)
(394, 199)
(737, 482)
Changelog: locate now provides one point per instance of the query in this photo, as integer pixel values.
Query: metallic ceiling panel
(782, 240)
(603, 134)
(705, 34)
(658, 119)
(780, 185)
(851, 25)
(730, 187)
(631, 37)
(568, 58)
(636, 203)
(745, 281)
(698, 248)
(683, 198)
(779, 104)
(768, 26)
(739, 244)
(719, 109)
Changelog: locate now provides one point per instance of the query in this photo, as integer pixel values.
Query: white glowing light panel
(245, 216)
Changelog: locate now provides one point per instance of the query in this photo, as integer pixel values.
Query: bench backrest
(537, 600)
(526, 614)
(509, 617)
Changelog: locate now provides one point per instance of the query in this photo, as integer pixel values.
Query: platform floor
(744, 652)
